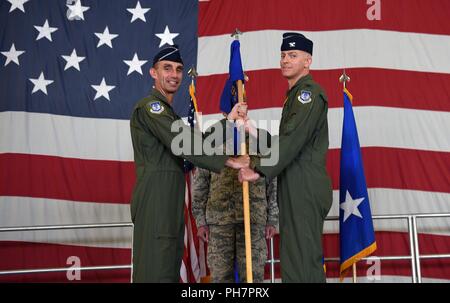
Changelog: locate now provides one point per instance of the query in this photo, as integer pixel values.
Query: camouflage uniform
(217, 203)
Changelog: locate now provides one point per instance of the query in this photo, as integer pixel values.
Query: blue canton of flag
(71, 72)
(89, 58)
(357, 237)
(191, 114)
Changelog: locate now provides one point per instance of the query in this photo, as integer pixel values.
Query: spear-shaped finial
(344, 78)
(236, 34)
(192, 72)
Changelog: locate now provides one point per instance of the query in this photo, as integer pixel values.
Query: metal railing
(61, 227)
(414, 255)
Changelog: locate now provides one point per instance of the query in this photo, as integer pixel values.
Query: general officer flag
(357, 238)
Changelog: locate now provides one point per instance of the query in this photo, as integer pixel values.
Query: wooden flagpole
(245, 192)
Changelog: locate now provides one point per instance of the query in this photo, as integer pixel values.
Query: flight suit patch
(305, 97)
(155, 107)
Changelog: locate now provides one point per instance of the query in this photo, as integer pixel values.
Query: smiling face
(295, 64)
(168, 76)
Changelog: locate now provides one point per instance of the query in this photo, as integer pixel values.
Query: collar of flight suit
(156, 94)
(299, 82)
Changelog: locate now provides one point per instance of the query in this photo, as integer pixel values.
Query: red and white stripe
(190, 267)
(70, 170)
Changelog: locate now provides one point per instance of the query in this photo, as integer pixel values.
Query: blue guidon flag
(357, 237)
(229, 96)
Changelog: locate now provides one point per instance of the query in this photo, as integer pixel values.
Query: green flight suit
(304, 187)
(158, 197)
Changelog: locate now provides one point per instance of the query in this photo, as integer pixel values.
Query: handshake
(243, 164)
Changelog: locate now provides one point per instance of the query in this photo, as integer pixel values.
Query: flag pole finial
(192, 72)
(236, 34)
(344, 78)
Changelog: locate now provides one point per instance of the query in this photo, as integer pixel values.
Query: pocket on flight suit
(167, 204)
(289, 124)
(325, 194)
(168, 223)
(167, 259)
(168, 220)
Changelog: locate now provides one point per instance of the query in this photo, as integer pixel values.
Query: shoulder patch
(305, 96)
(155, 107)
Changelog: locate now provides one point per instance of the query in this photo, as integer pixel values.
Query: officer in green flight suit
(158, 196)
(304, 187)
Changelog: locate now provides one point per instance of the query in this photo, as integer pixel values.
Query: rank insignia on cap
(305, 96)
(156, 107)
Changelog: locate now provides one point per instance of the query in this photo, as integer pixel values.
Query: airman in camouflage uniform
(218, 210)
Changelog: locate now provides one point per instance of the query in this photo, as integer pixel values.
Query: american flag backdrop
(71, 71)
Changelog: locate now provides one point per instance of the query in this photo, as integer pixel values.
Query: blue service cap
(296, 41)
(170, 53)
